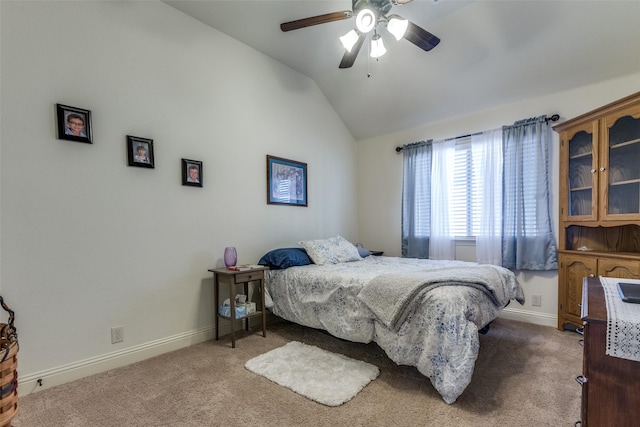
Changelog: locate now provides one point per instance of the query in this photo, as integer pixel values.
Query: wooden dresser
(610, 385)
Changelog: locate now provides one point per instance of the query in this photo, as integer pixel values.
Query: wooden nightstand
(232, 278)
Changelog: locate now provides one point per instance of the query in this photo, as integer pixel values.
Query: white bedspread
(439, 335)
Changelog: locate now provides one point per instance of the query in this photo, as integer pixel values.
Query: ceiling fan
(370, 15)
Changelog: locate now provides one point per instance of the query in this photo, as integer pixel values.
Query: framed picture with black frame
(286, 182)
(140, 152)
(192, 173)
(74, 124)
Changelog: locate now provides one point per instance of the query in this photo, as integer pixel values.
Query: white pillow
(331, 251)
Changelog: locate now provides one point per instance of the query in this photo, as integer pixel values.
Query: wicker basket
(8, 369)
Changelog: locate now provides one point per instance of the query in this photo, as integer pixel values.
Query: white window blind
(422, 221)
(465, 206)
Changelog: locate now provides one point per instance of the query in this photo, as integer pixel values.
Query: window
(491, 186)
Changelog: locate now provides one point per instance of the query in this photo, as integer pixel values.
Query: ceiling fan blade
(315, 20)
(350, 57)
(420, 37)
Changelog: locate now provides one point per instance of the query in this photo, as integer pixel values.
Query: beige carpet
(524, 376)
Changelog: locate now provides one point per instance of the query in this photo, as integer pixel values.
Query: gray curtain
(416, 200)
(528, 242)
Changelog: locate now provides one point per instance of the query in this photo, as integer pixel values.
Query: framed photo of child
(192, 173)
(74, 124)
(140, 152)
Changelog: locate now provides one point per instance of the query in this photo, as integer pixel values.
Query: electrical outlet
(117, 334)
(536, 300)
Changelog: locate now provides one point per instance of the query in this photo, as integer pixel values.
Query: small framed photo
(74, 124)
(192, 173)
(286, 182)
(140, 152)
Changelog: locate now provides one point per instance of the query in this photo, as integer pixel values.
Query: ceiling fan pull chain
(368, 60)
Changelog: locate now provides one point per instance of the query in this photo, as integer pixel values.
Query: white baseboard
(544, 319)
(63, 374)
(42, 380)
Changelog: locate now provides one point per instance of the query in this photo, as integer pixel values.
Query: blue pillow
(279, 259)
(363, 252)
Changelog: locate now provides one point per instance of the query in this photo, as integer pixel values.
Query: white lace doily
(623, 322)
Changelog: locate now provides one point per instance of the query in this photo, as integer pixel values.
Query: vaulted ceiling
(492, 53)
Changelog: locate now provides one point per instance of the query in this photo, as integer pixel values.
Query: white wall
(88, 242)
(380, 178)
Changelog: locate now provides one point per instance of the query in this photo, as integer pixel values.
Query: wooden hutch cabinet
(599, 201)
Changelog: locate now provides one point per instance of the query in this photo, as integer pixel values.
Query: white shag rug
(328, 378)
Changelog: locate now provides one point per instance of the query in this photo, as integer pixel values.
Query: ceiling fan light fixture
(377, 47)
(397, 26)
(369, 14)
(349, 39)
(365, 20)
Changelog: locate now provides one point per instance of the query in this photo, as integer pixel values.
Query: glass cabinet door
(622, 160)
(582, 158)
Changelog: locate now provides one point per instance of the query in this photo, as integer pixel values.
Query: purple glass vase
(230, 256)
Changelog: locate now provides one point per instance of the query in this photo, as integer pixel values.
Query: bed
(422, 313)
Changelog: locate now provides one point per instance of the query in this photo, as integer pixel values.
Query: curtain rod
(553, 118)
